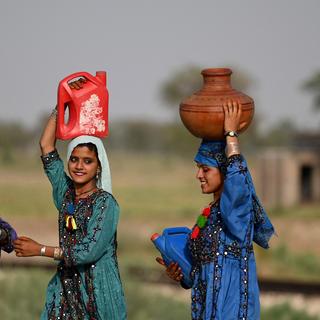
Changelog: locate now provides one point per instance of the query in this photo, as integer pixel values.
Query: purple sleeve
(11, 234)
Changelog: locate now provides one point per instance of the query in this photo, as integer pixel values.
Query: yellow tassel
(67, 222)
(71, 223)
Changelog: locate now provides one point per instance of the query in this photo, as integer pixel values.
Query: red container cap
(154, 236)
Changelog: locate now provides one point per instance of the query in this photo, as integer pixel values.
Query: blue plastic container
(172, 245)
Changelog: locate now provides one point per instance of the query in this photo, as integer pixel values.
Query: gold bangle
(233, 148)
(236, 144)
(57, 253)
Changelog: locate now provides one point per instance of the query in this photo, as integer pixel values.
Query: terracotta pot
(202, 113)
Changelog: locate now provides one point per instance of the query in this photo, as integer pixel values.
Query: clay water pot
(202, 113)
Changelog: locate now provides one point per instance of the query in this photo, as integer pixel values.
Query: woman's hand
(26, 247)
(232, 114)
(173, 270)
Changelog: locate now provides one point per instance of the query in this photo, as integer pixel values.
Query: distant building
(288, 176)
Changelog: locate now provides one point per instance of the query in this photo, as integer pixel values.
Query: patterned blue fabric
(212, 154)
(11, 236)
(87, 284)
(225, 285)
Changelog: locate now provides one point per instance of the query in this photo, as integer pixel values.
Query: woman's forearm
(27, 247)
(48, 138)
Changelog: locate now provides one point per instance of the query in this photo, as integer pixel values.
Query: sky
(142, 43)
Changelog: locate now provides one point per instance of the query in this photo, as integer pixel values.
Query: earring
(97, 175)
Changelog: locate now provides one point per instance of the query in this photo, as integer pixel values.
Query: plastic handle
(77, 75)
(176, 230)
(65, 94)
(97, 80)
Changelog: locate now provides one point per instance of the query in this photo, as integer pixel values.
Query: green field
(23, 293)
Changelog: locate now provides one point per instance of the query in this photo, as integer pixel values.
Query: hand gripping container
(173, 247)
(88, 106)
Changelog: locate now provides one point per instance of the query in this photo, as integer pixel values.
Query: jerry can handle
(64, 94)
(83, 74)
(76, 75)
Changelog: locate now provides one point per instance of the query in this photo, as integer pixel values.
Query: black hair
(92, 147)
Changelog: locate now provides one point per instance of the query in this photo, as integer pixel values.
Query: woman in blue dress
(87, 284)
(224, 277)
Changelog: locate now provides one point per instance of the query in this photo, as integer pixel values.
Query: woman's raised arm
(48, 137)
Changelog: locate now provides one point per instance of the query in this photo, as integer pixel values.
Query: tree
(13, 136)
(313, 85)
(180, 85)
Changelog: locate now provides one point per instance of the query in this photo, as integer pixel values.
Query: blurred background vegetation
(154, 182)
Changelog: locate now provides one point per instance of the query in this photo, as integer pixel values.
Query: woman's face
(211, 179)
(83, 165)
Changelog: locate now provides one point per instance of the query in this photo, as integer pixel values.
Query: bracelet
(57, 253)
(54, 113)
(231, 134)
(233, 148)
(43, 251)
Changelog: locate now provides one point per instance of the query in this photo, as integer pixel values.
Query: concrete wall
(278, 176)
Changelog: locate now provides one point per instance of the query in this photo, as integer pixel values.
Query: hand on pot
(232, 115)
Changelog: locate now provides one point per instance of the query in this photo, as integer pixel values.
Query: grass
(286, 265)
(285, 312)
(308, 211)
(23, 295)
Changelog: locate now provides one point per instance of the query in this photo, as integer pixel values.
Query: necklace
(202, 220)
(71, 210)
(85, 192)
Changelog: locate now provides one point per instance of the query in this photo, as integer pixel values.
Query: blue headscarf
(212, 154)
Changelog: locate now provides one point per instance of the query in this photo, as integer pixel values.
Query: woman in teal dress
(87, 284)
(224, 284)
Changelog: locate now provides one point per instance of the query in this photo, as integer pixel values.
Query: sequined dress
(87, 284)
(225, 285)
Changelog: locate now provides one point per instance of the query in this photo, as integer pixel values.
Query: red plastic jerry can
(88, 106)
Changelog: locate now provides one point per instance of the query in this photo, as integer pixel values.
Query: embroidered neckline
(73, 206)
